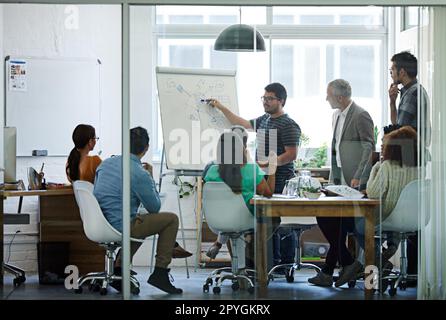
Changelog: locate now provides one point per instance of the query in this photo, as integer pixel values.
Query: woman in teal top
(241, 176)
(251, 175)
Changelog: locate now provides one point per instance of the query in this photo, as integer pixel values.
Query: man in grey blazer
(352, 145)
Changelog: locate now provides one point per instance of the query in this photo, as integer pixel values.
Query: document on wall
(17, 75)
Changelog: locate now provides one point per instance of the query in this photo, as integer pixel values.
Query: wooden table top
(24, 193)
(322, 201)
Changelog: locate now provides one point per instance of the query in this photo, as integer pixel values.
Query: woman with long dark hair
(81, 166)
(242, 177)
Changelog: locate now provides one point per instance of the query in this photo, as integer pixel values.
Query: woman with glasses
(81, 166)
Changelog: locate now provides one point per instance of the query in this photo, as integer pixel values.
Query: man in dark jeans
(404, 72)
(352, 145)
(277, 132)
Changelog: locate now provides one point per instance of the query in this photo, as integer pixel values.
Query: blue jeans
(284, 246)
(359, 231)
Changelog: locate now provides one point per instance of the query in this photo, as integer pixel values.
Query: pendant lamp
(240, 38)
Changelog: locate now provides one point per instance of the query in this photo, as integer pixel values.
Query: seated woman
(242, 177)
(81, 166)
(389, 177)
(216, 246)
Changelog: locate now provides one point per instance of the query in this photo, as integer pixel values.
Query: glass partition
(327, 208)
(63, 69)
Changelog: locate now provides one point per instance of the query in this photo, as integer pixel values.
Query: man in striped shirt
(277, 132)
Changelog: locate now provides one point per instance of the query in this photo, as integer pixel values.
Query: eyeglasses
(96, 138)
(268, 99)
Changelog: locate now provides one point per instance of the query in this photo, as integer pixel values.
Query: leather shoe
(160, 279)
(179, 252)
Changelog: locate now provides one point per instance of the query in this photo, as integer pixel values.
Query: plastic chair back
(96, 227)
(224, 210)
(405, 217)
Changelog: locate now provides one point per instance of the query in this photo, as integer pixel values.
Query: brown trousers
(165, 224)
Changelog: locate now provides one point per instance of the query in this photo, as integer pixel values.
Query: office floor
(192, 287)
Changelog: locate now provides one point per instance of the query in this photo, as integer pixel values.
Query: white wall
(44, 30)
(1, 93)
(41, 30)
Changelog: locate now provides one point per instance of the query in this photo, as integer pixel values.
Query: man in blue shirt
(108, 191)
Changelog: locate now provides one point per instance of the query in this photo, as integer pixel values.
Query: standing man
(351, 147)
(404, 71)
(275, 127)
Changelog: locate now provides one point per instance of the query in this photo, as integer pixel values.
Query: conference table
(280, 206)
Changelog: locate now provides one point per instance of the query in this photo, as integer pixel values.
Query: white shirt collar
(344, 113)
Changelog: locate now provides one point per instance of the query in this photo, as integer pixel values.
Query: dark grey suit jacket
(357, 144)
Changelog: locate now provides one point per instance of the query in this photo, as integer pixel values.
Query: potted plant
(376, 153)
(311, 192)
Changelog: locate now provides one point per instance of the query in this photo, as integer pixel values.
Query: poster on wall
(17, 75)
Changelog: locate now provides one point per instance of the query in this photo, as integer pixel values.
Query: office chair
(404, 219)
(226, 212)
(99, 230)
(19, 274)
(298, 225)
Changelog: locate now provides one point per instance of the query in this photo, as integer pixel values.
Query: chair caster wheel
(392, 291)
(251, 290)
(205, 288)
(235, 286)
(94, 287)
(78, 290)
(383, 286)
(402, 286)
(135, 291)
(209, 282)
(352, 284)
(216, 290)
(289, 278)
(103, 291)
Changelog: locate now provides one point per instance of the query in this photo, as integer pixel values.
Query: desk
(322, 207)
(59, 220)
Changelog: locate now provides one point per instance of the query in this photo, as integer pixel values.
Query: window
(186, 56)
(312, 70)
(317, 20)
(209, 15)
(357, 64)
(282, 69)
(410, 17)
(303, 62)
(359, 16)
(222, 60)
(314, 63)
(185, 19)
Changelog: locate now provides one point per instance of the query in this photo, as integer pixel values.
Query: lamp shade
(239, 37)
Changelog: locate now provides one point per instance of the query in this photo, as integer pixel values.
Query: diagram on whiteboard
(183, 95)
(193, 100)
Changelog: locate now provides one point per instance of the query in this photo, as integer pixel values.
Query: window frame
(270, 33)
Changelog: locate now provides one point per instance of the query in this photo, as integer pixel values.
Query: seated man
(108, 191)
